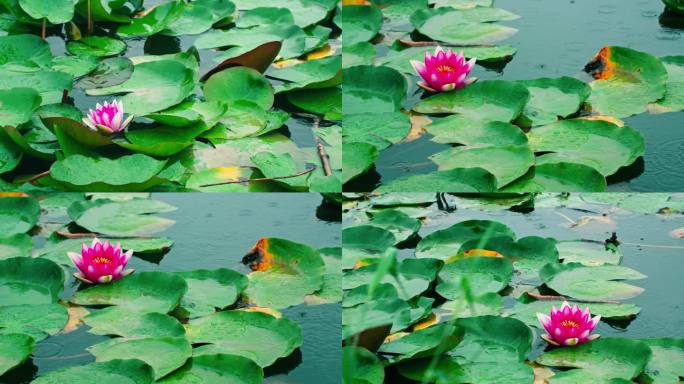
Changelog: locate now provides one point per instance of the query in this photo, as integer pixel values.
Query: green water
(216, 230)
(557, 38)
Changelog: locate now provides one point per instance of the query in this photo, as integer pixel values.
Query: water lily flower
(568, 325)
(101, 262)
(107, 118)
(444, 71)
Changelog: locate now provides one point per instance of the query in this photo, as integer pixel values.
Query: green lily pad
(29, 51)
(379, 129)
(505, 163)
(15, 348)
(25, 280)
(594, 143)
(100, 10)
(131, 371)
(57, 12)
(423, 343)
(239, 83)
(143, 292)
(154, 21)
(458, 179)
(494, 100)
(208, 369)
(591, 283)
(392, 312)
(10, 154)
(401, 225)
(126, 218)
(37, 321)
(369, 89)
(626, 81)
(19, 244)
(49, 84)
(76, 66)
(482, 305)
(363, 242)
(589, 253)
(305, 12)
(163, 354)
(56, 249)
(528, 254)
(154, 86)
(459, 129)
(606, 358)
(480, 274)
(127, 173)
(553, 98)
(464, 27)
(17, 106)
(527, 312)
(674, 93)
(191, 112)
(109, 72)
(359, 23)
(284, 272)
(362, 53)
(326, 101)
(401, 60)
(445, 243)
(132, 324)
(98, 46)
(198, 17)
(361, 366)
(462, 4)
(666, 360)
(412, 277)
(254, 335)
(559, 177)
(18, 214)
(358, 159)
(211, 289)
(312, 74)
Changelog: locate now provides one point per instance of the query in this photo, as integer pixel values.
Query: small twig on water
(261, 179)
(38, 177)
(90, 19)
(65, 96)
(43, 32)
(322, 154)
(563, 298)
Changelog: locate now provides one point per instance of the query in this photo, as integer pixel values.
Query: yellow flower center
(102, 260)
(569, 323)
(444, 68)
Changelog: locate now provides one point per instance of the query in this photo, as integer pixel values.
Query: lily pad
(505, 163)
(591, 283)
(15, 348)
(480, 274)
(445, 243)
(666, 360)
(143, 292)
(18, 214)
(494, 100)
(379, 129)
(364, 241)
(401, 225)
(132, 324)
(401, 60)
(284, 272)
(25, 280)
(19, 244)
(312, 74)
(358, 159)
(163, 354)
(207, 369)
(98, 46)
(458, 179)
(29, 51)
(626, 81)
(674, 93)
(239, 83)
(211, 289)
(423, 343)
(559, 177)
(110, 372)
(17, 106)
(553, 98)
(154, 21)
(459, 129)
(594, 143)
(589, 253)
(57, 12)
(37, 321)
(254, 335)
(527, 312)
(464, 27)
(361, 366)
(359, 23)
(606, 358)
(369, 89)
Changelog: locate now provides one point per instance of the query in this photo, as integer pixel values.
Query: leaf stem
(43, 31)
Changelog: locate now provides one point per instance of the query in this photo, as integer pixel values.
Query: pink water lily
(107, 118)
(568, 325)
(444, 71)
(101, 262)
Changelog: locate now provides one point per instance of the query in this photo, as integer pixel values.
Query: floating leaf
(464, 27)
(589, 253)
(211, 289)
(459, 129)
(528, 312)
(98, 46)
(358, 159)
(38, 321)
(19, 244)
(17, 106)
(458, 179)
(398, 223)
(57, 11)
(674, 93)
(424, 342)
(29, 51)
(361, 366)
(239, 83)
(369, 89)
(626, 81)
(559, 177)
(553, 98)
(208, 368)
(312, 74)
(15, 348)
(133, 371)
(163, 354)
(18, 214)
(284, 272)
(445, 243)
(665, 364)
(132, 324)
(24, 280)
(480, 274)
(401, 60)
(255, 335)
(379, 129)
(594, 143)
(359, 23)
(153, 21)
(591, 283)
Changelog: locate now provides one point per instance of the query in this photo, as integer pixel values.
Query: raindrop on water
(47, 349)
(668, 34)
(650, 13)
(607, 9)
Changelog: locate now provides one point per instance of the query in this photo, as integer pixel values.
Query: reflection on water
(215, 231)
(557, 38)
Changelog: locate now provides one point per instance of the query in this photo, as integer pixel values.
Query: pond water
(216, 230)
(557, 38)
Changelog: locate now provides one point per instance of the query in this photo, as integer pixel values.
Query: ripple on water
(668, 34)
(47, 349)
